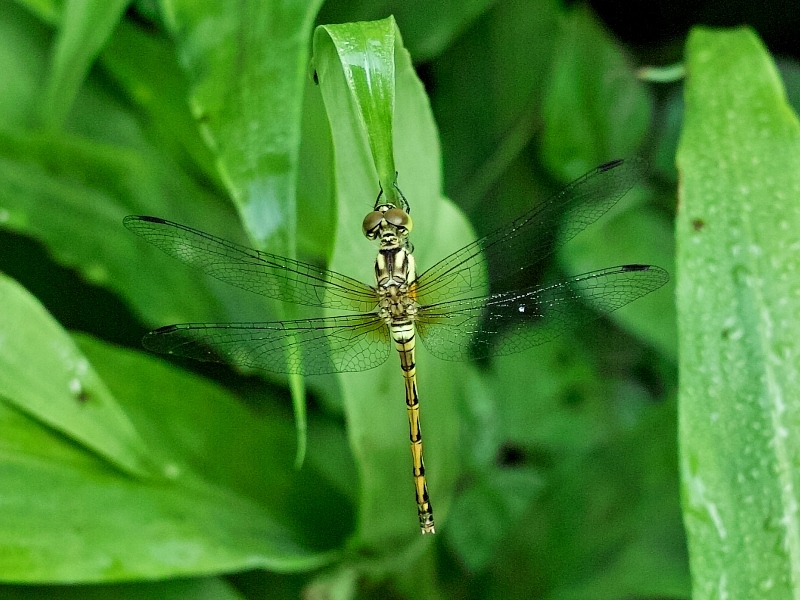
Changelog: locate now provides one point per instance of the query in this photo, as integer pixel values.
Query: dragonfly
(446, 304)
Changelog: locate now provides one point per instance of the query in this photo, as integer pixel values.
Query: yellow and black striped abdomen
(403, 334)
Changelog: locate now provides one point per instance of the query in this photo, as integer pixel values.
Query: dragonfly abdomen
(404, 337)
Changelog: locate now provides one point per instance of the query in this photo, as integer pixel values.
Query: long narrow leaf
(738, 306)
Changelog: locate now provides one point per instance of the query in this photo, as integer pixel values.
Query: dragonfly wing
(578, 205)
(511, 322)
(270, 275)
(308, 346)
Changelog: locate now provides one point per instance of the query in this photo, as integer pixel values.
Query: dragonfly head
(387, 222)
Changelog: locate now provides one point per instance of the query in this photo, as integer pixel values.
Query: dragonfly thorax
(395, 272)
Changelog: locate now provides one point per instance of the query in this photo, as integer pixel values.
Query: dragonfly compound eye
(399, 218)
(371, 223)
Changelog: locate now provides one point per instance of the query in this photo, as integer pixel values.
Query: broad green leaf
(71, 190)
(45, 376)
(631, 518)
(227, 499)
(594, 108)
(738, 305)
(210, 588)
(72, 193)
(68, 517)
(552, 399)
(84, 28)
(485, 513)
(374, 400)
(209, 432)
(246, 64)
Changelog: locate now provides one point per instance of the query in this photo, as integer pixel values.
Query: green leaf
(146, 67)
(551, 399)
(72, 193)
(484, 514)
(85, 27)
(607, 524)
(45, 376)
(373, 400)
(88, 187)
(211, 588)
(316, 187)
(225, 497)
(23, 60)
(246, 64)
(71, 190)
(738, 307)
(547, 404)
(48, 11)
(366, 57)
(103, 526)
(206, 430)
(631, 518)
(594, 109)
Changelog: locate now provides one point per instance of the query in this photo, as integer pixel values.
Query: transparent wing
(308, 346)
(511, 322)
(266, 274)
(582, 203)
